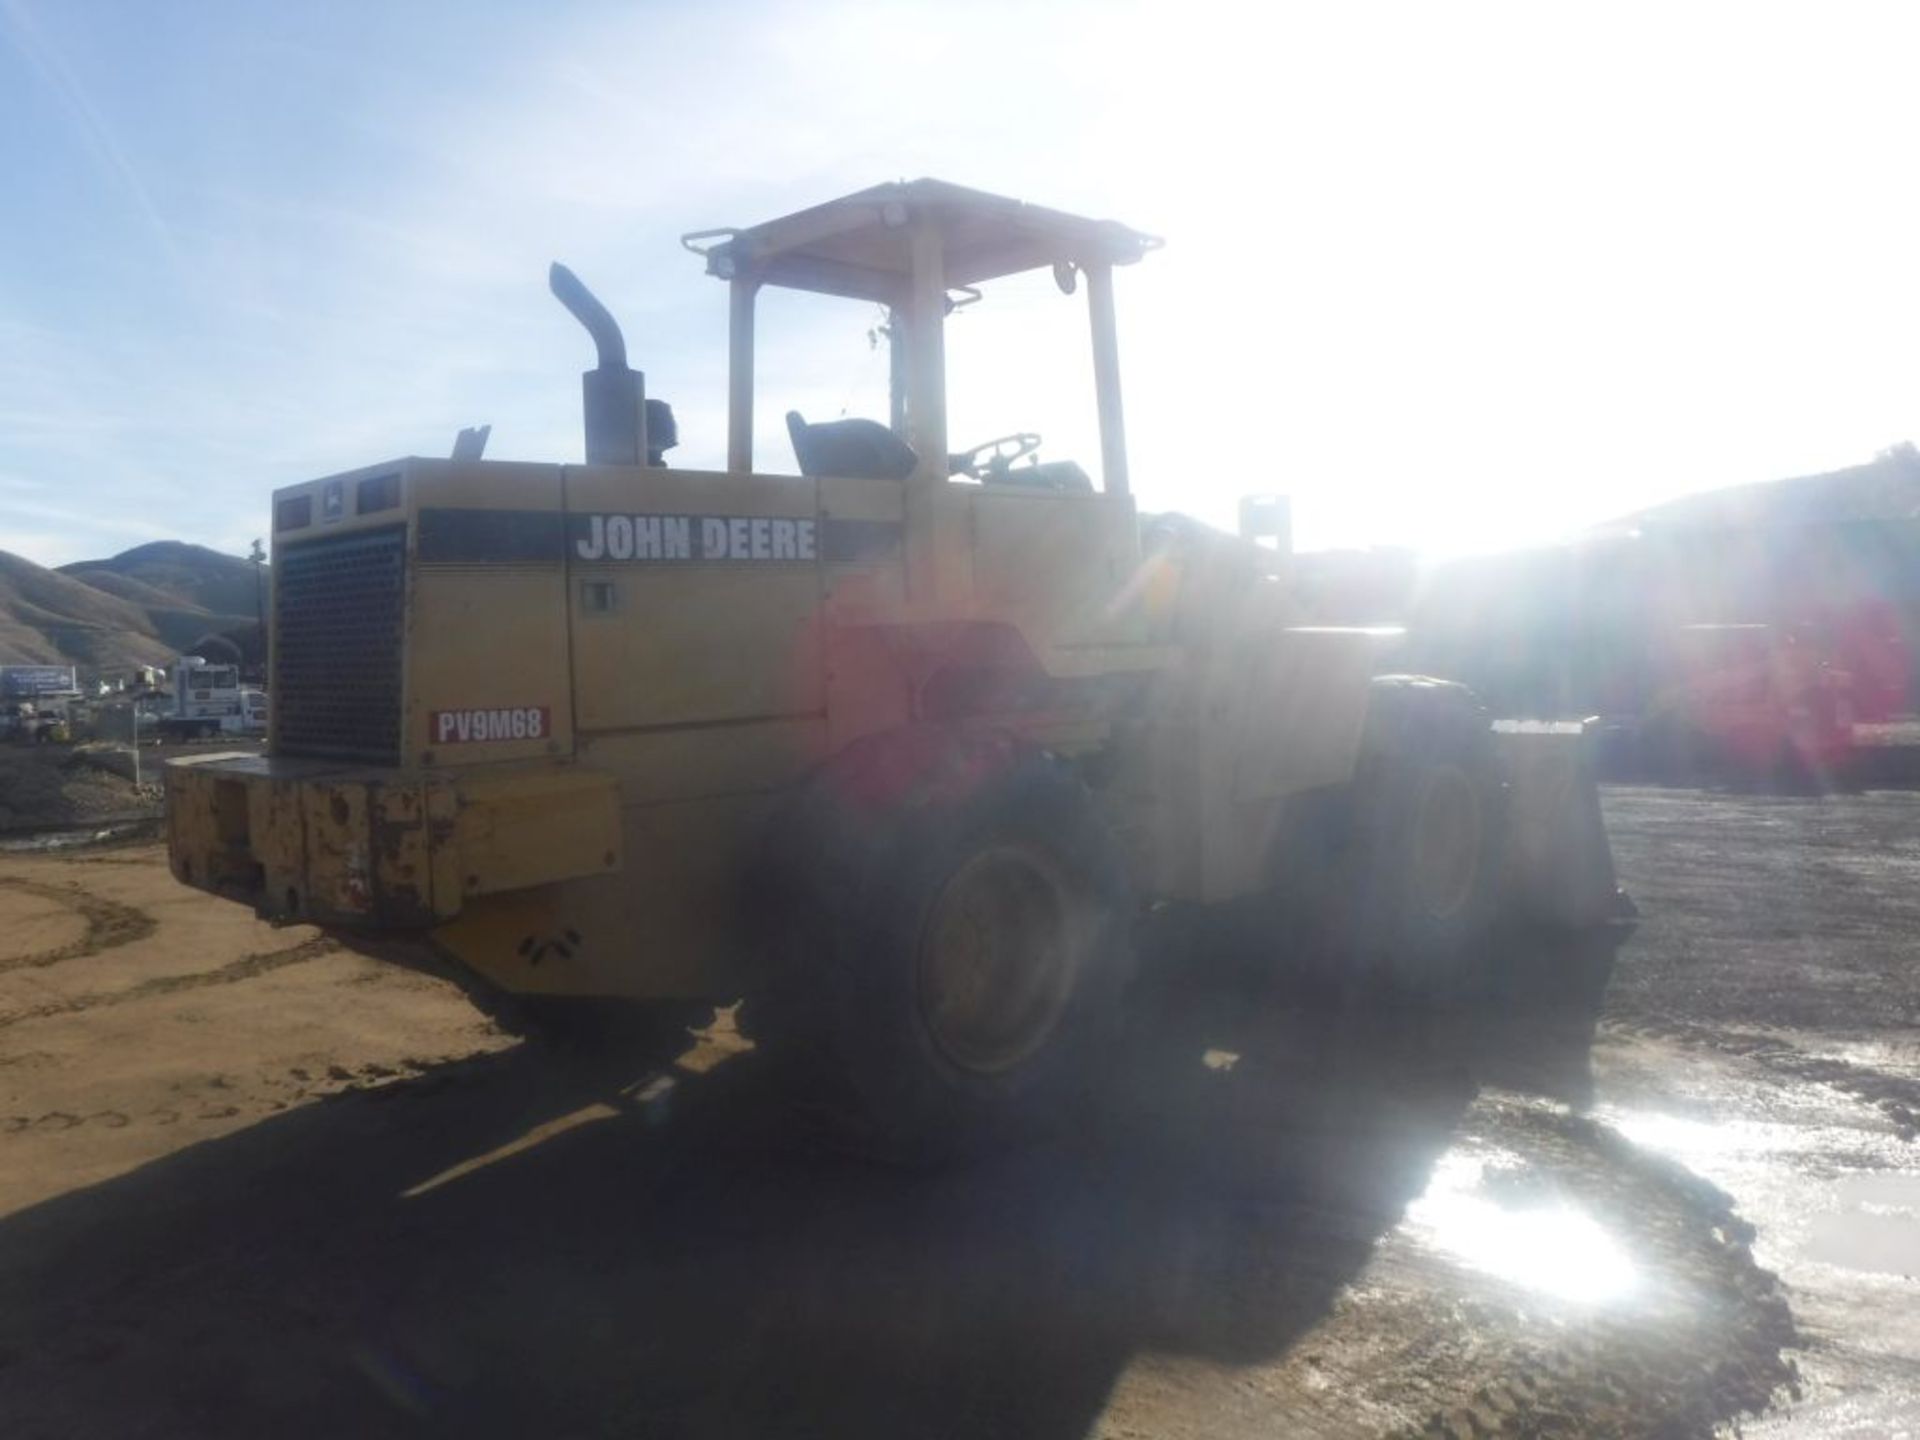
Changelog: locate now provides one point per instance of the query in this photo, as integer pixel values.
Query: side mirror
(1267, 517)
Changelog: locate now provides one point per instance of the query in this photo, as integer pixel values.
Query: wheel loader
(903, 736)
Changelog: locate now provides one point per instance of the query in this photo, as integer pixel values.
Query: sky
(1455, 277)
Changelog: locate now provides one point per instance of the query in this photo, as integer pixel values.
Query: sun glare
(1542, 1243)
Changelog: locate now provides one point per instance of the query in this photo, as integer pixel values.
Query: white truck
(208, 700)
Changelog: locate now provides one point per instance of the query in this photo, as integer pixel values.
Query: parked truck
(209, 699)
(898, 742)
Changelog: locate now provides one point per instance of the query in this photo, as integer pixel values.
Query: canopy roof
(860, 246)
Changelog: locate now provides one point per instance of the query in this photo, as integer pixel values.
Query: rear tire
(967, 936)
(1429, 835)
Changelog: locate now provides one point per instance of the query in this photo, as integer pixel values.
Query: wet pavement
(1685, 1189)
(1783, 1062)
(1833, 1195)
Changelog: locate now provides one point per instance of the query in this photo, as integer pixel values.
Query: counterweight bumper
(306, 840)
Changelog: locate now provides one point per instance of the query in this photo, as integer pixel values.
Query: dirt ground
(252, 1183)
(51, 787)
(60, 790)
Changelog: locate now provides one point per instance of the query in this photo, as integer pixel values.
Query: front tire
(1429, 833)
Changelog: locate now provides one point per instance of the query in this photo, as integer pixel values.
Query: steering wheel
(992, 459)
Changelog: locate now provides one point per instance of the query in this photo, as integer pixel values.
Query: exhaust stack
(613, 397)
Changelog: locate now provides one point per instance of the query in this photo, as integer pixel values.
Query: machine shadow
(548, 1244)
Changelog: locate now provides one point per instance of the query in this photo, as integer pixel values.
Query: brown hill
(190, 577)
(134, 592)
(180, 625)
(140, 607)
(50, 618)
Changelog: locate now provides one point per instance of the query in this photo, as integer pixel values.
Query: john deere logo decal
(692, 537)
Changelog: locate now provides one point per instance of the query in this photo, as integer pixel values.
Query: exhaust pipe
(613, 397)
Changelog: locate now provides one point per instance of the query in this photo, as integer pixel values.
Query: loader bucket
(1559, 864)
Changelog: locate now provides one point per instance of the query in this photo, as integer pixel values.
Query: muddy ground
(251, 1183)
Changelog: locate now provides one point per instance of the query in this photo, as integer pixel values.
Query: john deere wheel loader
(915, 732)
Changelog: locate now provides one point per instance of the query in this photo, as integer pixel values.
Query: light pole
(259, 559)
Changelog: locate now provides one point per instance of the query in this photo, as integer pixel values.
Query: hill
(192, 577)
(1586, 627)
(1885, 488)
(140, 607)
(134, 592)
(50, 618)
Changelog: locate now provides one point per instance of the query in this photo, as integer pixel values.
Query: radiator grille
(337, 622)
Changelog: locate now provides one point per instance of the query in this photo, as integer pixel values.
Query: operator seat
(860, 449)
(857, 449)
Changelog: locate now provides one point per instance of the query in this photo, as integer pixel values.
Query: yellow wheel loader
(909, 731)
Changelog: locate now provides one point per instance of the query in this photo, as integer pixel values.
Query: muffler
(613, 396)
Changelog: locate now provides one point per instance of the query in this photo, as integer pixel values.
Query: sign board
(24, 682)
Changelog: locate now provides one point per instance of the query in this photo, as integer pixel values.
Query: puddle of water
(1876, 1228)
(1863, 1220)
(1694, 1143)
(1545, 1244)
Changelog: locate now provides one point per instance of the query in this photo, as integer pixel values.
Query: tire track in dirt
(60, 1120)
(410, 1078)
(109, 924)
(246, 967)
